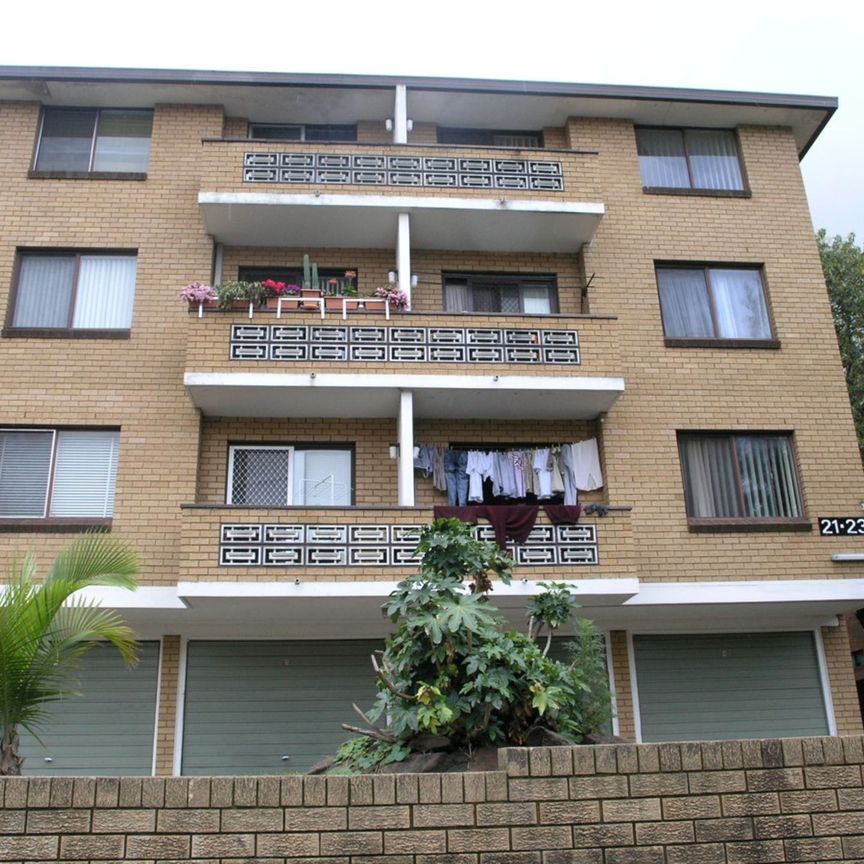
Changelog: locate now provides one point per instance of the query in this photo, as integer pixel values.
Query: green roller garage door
(718, 686)
(249, 704)
(108, 729)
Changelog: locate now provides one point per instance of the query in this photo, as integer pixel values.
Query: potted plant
(239, 294)
(396, 298)
(198, 294)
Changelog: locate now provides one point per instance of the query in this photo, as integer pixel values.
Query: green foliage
(361, 755)
(843, 266)
(248, 292)
(451, 668)
(587, 653)
(44, 633)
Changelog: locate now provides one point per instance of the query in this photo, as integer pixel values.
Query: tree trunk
(10, 761)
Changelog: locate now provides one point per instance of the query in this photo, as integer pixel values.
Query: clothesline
(544, 472)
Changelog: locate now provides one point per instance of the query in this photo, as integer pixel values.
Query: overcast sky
(765, 45)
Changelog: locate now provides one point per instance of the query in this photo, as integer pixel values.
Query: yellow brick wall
(166, 722)
(841, 673)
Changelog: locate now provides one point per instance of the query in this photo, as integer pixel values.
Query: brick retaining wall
(790, 800)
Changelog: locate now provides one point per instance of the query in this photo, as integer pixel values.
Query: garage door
(249, 705)
(109, 728)
(709, 687)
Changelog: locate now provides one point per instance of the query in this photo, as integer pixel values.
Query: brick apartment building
(630, 265)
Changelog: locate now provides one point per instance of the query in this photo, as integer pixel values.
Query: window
(481, 292)
(689, 159)
(54, 473)
(490, 137)
(279, 475)
(74, 291)
(713, 303)
(304, 131)
(740, 476)
(90, 140)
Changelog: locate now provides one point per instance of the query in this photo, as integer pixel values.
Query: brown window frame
(10, 331)
(692, 189)
(708, 524)
(771, 342)
(519, 280)
(88, 174)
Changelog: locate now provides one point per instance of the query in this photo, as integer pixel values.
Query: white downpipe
(406, 448)
(400, 115)
(403, 253)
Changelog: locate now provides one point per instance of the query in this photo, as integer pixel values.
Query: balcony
(257, 193)
(291, 563)
(456, 365)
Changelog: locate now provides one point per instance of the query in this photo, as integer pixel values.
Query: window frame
(772, 342)
(68, 332)
(520, 280)
(59, 524)
(710, 524)
(251, 127)
(743, 192)
(294, 447)
(475, 137)
(90, 174)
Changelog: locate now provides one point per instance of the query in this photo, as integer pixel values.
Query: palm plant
(43, 634)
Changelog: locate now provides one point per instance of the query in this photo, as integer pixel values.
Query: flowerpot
(333, 304)
(310, 292)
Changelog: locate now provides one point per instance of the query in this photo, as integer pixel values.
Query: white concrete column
(403, 252)
(400, 115)
(406, 448)
(218, 264)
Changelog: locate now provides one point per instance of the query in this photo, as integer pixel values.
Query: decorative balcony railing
(223, 542)
(300, 341)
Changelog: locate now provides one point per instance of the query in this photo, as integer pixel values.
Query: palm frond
(96, 559)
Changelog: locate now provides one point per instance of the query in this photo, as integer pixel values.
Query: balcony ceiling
(369, 221)
(504, 397)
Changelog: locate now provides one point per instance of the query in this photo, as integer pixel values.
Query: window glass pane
(484, 298)
(684, 304)
(66, 141)
(123, 141)
(710, 483)
(768, 477)
(536, 300)
(661, 158)
(25, 464)
(44, 291)
(510, 302)
(740, 303)
(322, 478)
(85, 474)
(331, 132)
(260, 476)
(516, 139)
(276, 132)
(713, 159)
(106, 292)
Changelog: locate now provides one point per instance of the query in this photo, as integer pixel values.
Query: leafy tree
(44, 633)
(843, 266)
(452, 669)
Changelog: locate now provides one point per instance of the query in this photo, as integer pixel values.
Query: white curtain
(457, 297)
(740, 304)
(709, 471)
(662, 159)
(714, 159)
(44, 291)
(535, 300)
(685, 304)
(123, 141)
(106, 292)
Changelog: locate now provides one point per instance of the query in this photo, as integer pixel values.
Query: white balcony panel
(370, 221)
(504, 397)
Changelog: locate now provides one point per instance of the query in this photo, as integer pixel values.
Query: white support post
(406, 448)
(400, 115)
(403, 253)
(218, 264)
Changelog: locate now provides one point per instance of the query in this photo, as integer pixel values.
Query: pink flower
(274, 287)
